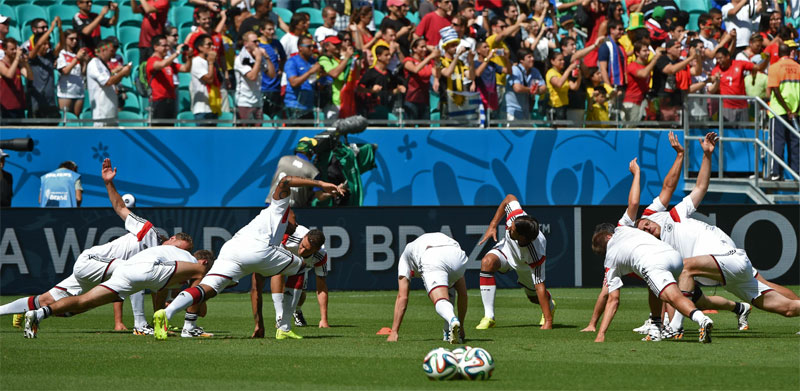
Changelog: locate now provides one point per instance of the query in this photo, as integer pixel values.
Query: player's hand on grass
(392, 336)
(323, 324)
(258, 332)
(673, 141)
(589, 329)
(491, 232)
(108, 172)
(120, 327)
(709, 143)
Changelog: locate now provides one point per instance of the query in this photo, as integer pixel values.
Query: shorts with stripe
(739, 275)
(527, 275)
(91, 270)
(442, 266)
(662, 270)
(241, 257)
(132, 277)
(68, 287)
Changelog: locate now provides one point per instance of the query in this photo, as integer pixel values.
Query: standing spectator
(298, 27)
(363, 39)
(597, 12)
(4, 23)
(743, 16)
(784, 89)
(568, 30)
(62, 188)
(513, 40)
(154, 19)
(486, 73)
(70, 64)
(42, 59)
(639, 73)
(752, 52)
(271, 86)
(6, 183)
(263, 13)
(598, 108)
(88, 23)
(710, 45)
(336, 70)
(461, 26)
(502, 54)
(326, 30)
(770, 31)
(458, 76)
(431, 23)
(611, 60)
(161, 69)
(731, 82)
(666, 80)
(301, 72)
(426, 7)
(387, 40)
(576, 108)
(249, 64)
(103, 83)
(558, 84)
(418, 69)
(204, 22)
(396, 19)
(38, 27)
(344, 10)
(13, 66)
(377, 87)
(540, 41)
(206, 81)
(525, 83)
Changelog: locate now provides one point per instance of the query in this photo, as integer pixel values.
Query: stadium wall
(448, 167)
(39, 246)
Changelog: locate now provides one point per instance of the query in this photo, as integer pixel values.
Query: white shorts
(442, 266)
(240, 257)
(662, 270)
(68, 287)
(91, 270)
(132, 277)
(738, 275)
(527, 275)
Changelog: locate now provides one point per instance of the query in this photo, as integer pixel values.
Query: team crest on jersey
(668, 227)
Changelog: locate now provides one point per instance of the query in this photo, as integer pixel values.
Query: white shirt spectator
(745, 22)
(248, 92)
(103, 98)
(323, 32)
(289, 43)
(199, 90)
(70, 86)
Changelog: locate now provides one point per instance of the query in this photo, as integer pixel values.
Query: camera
(328, 140)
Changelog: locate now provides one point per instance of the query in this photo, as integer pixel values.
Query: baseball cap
(788, 42)
(2, 153)
(332, 39)
(396, 3)
(3, 19)
(566, 19)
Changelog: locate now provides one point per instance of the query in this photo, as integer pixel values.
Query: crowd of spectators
(581, 60)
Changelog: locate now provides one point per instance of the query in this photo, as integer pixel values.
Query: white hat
(449, 35)
(129, 200)
(3, 154)
(3, 19)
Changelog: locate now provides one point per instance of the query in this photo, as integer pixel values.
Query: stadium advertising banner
(39, 246)
(414, 167)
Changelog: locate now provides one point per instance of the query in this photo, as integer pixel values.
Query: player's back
(630, 249)
(141, 235)
(269, 226)
(166, 254)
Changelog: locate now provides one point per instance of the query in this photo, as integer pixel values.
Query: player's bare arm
(256, 300)
(463, 303)
(671, 180)
(322, 298)
(541, 294)
(635, 193)
(400, 306)
(599, 306)
(701, 186)
(611, 309)
(283, 189)
(498, 217)
(108, 173)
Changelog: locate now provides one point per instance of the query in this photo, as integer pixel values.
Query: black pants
(273, 104)
(164, 109)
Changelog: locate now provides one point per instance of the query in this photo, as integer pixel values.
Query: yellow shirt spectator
(558, 96)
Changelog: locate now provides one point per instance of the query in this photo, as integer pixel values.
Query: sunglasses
(305, 45)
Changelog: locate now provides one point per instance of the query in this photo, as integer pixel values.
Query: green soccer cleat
(16, 321)
(486, 323)
(280, 334)
(161, 325)
(552, 312)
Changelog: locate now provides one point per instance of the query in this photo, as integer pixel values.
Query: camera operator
(299, 165)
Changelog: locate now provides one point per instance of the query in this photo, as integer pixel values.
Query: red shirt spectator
(430, 25)
(732, 82)
(161, 81)
(155, 16)
(637, 88)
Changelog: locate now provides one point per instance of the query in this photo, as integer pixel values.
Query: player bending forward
(155, 268)
(256, 248)
(523, 249)
(440, 262)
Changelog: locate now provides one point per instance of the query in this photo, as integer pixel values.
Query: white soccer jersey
(141, 235)
(269, 226)
(533, 254)
(633, 251)
(690, 237)
(318, 260)
(149, 269)
(70, 86)
(410, 263)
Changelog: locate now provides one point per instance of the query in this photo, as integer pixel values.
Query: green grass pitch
(80, 353)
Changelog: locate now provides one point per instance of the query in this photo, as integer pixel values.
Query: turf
(81, 353)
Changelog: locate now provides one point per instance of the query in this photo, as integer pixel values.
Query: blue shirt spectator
(301, 96)
(519, 104)
(276, 54)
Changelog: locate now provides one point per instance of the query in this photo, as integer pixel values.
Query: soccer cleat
(144, 330)
(645, 328)
(299, 319)
(485, 323)
(16, 321)
(742, 319)
(280, 334)
(552, 312)
(670, 333)
(455, 331)
(160, 325)
(31, 325)
(653, 334)
(196, 331)
(705, 330)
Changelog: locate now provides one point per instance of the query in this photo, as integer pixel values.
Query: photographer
(161, 70)
(12, 66)
(299, 165)
(249, 65)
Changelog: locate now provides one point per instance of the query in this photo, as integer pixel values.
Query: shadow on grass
(555, 326)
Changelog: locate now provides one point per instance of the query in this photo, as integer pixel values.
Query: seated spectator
(639, 74)
(102, 84)
(326, 30)
(418, 69)
(558, 84)
(458, 76)
(70, 64)
(524, 83)
(206, 81)
(13, 66)
(271, 86)
(396, 19)
(486, 73)
(249, 65)
(377, 87)
(61, 188)
(42, 58)
(161, 70)
(302, 73)
(334, 63)
(88, 23)
(154, 18)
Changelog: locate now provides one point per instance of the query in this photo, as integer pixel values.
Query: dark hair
(527, 226)
(610, 12)
(297, 18)
(380, 49)
(9, 41)
(158, 37)
(360, 13)
(385, 27)
(186, 238)
(316, 238)
(37, 20)
(640, 34)
(552, 55)
(599, 239)
(206, 255)
(703, 20)
(715, 11)
(199, 41)
(507, 5)
(724, 51)
(69, 165)
(612, 24)
(784, 50)
(494, 21)
(565, 41)
(637, 46)
(695, 42)
(465, 5)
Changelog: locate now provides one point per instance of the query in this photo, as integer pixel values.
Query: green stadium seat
(15, 3)
(186, 115)
(13, 32)
(7, 10)
(128, 115)
(132, 56)
(181, 15)
(413, 17)
(26, 13)
(128, 18)
(71, 120)
(377, 17)
(66, 12)
(45, 3)
(184, 79)
(315, 16)
(226, 116)
(184, 99)
(184, 32)
(108, 31)
(128, 34)
(128, 48)
(87, 114)
(284, 14)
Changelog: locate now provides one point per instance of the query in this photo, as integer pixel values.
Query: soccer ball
(459, 352)
(476, 364)
(440, 364)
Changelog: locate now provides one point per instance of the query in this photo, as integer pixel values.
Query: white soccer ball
(476, 364)
(459, 352)
(440, 364)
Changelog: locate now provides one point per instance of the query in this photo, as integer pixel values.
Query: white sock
(445, 309)
(296, 293)
(277, 303)
(676, 323)
(288, 310)
(488, 291)
(181, 302)
(137, 305)
(19, 306)
(698, 316)
(189, 321)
